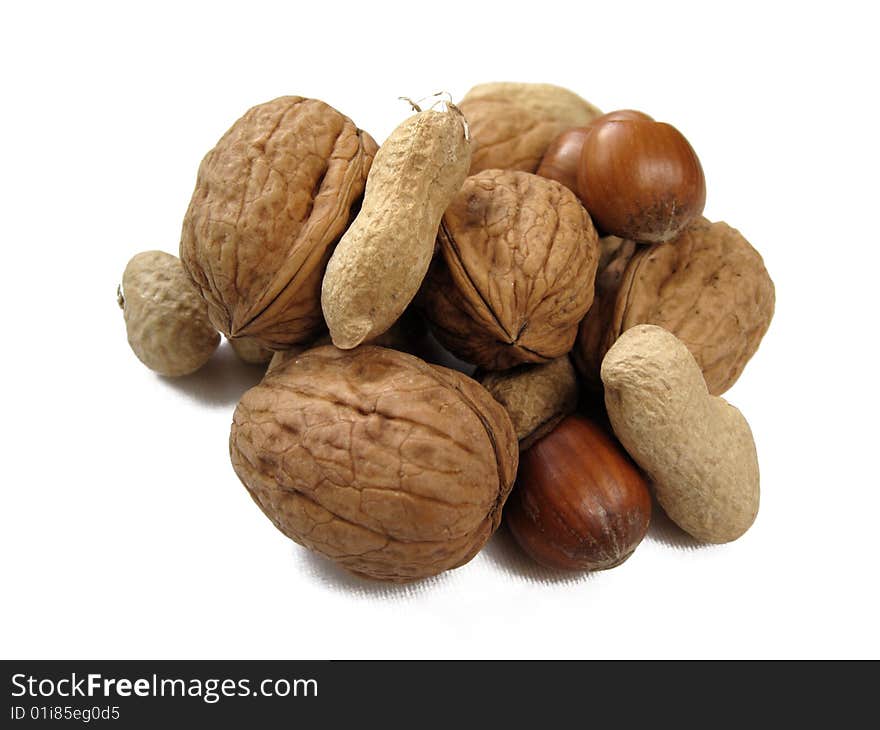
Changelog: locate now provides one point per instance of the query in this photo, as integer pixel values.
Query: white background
(124, 532)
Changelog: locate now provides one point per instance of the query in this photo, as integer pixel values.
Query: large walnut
(394, 468)
(516, 277)
(270, 202)
(513, 124)
(708, 287)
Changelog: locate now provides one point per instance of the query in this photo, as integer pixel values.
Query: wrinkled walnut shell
(536, 397)
(271, 200)
(394, 468)
(516, 277)
(513, 124)
(708, 287)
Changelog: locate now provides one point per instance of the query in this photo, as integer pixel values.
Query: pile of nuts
(560, 251)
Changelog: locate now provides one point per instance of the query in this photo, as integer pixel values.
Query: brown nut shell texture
(590, 347)
(696, 448)
(271, 200)
(536, 397)
(708, 287)
(513, 124)
(165, 318)
(519, 257)
(251, 351)
(394, 468)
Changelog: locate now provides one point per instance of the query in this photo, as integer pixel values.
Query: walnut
(394, 468)
(270, 202)
(536, 397)
(519, 256)
(708, 287)
(513, 124)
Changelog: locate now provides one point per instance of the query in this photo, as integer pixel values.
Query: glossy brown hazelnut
(640, 179)
(563, 157)
(579, 502)
(621, 114)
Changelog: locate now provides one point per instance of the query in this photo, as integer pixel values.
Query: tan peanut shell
(380, 262)
(536, 397)
(271, 200)
(513, 124)
(165, 318)
(519, 256)
(696, 448)
(708, 287)
(394, 468)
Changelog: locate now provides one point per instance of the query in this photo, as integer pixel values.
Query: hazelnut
(640, 179)
(621, 114)
(579, 502)
(563, 157)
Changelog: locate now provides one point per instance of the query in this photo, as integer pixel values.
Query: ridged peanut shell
(165, 318)
(382, 259)
(271, 200)
(696, 448)
(394, 468)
